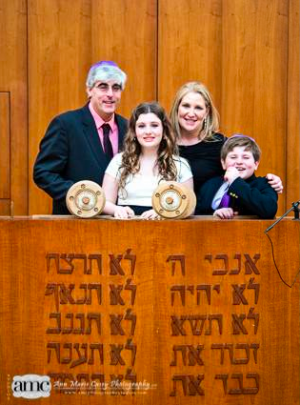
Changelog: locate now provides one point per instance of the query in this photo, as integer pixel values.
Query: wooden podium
(150, 312)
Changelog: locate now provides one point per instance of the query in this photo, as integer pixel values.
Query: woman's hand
(225, 213)
(150, 214)
(123, 212)
(275, 182)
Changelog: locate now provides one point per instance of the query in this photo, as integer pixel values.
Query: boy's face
(242, 160)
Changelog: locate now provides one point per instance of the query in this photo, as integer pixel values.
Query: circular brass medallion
(173, 200)
(85, 199)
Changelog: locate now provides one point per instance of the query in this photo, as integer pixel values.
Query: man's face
(105, 96)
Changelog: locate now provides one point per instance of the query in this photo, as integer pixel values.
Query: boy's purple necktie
(221, 198)
(225, 201)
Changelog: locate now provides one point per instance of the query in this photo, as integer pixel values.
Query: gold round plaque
(173, 200)
(85, 199)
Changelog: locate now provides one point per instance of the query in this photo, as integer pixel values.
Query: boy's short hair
(105, 70)
(241, 141)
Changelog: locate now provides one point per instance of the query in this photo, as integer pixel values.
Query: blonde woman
(195, 121)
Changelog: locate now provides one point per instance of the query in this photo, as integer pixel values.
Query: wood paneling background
(65, 38)
(293, 138)
(245, 51)
(59, 34)
(254, 91)
(14, 107)
(126, 31)
(5, 146)
(189, 45)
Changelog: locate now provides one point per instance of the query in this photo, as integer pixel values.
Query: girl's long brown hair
(132, 149)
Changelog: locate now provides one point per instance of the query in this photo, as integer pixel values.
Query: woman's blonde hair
(132, 149)
(212, 120)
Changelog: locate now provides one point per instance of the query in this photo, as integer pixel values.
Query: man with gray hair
(79, 144)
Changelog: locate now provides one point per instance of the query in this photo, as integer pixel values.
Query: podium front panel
(149, 312)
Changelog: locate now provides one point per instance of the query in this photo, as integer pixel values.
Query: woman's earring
(204, 123)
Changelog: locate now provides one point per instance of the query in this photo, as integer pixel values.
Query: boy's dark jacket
(253, 196)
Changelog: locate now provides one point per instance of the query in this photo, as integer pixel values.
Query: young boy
(239, 191)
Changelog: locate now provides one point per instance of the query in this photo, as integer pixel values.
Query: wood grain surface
(5, 143)
(200, 316)
(14, 118)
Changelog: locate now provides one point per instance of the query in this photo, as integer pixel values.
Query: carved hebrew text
(188, 355)
(117, 293)
(116, 263)
(197, 294)
(238, 326)
(67, 294)
(189, 385)
(67, 263)
(180, 260)
(77, 324)
(222, 261)
(235, 350)
(117, 322)
(75, 354)
(237, 380)
(194, 324)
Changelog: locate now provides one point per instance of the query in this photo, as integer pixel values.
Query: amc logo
(31, 386)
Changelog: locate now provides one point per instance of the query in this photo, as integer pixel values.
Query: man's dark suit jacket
(253, 196)
(71, 151)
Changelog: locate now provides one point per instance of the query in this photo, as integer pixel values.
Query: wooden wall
(13, 108)
(245, 51)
